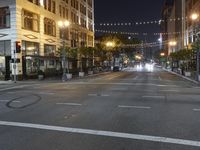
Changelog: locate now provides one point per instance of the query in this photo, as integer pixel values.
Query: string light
(157, 22)
(138, 34)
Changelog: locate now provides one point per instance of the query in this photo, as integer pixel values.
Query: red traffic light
(18, 46)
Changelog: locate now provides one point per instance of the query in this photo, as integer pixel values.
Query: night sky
(129, 11)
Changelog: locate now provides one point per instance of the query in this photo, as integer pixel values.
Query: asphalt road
(129, 110)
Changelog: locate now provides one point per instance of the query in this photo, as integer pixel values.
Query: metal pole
(64, 59)
(15, 67)
(197, 74)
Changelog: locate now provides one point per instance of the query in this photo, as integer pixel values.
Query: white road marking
(103, 133)
(135, 78)
(46, 93)
(70, 104)
(92, 94)
(169, 90)
(11, 92)
(196, 109)
(153, 97)
(136, 107)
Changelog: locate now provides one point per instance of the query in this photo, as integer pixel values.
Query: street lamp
(110, 45)
(63, 25)
(162, 54)
(172, 44)
(195, 17)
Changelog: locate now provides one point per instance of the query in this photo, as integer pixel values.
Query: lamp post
(110, 45)
(63, 25)
(194, 18)
(172, 44)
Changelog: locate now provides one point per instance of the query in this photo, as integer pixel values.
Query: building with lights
(166, 13)
(34, 24)
(192, 25)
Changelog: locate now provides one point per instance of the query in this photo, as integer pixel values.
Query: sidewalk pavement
(53, 79)
(182, 76)
(6, 82)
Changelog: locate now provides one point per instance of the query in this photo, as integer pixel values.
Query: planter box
(188, 74)
(40, 77)
(90, 72)
(81, 74)
(69, 76)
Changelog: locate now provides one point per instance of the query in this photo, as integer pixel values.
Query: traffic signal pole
(15, 67)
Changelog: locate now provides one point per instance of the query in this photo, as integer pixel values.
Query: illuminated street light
(63, 24)
(110, 44)
(172, 43)
(194, 16)
(138, 57)
(162, 54)
(160, 40)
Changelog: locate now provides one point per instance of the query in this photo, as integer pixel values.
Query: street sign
(14, 66)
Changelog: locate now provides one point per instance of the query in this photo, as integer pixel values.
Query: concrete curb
(184, 77)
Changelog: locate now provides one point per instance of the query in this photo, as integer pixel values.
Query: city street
(129, 110)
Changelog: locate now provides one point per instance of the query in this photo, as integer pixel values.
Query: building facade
(34, 23)
(166, 14)
(192, 26)
(174, 25)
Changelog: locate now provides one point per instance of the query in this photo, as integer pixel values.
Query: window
(83, 22)
(90, 14)
(30, 48)
(50, 5)
(83, 9)
(83, 39)
(51, 62)
(5, 48)
(30, 21)
(90, 41)
(74, 18)
(49, 50)
(90, 3)
(49, 27)
(74, 4)
(4, 17)
(74, 38)
(34, 1)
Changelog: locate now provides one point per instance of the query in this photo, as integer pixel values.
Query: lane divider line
(103, 133)
(70, 104)
(153, 97)
(136, 107)
(196, 109)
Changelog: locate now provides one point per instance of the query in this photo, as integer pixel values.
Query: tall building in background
(34, 24)
(166, 13)
(174, 24)
(192, 26)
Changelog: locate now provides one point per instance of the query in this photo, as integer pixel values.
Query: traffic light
(18, 46)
